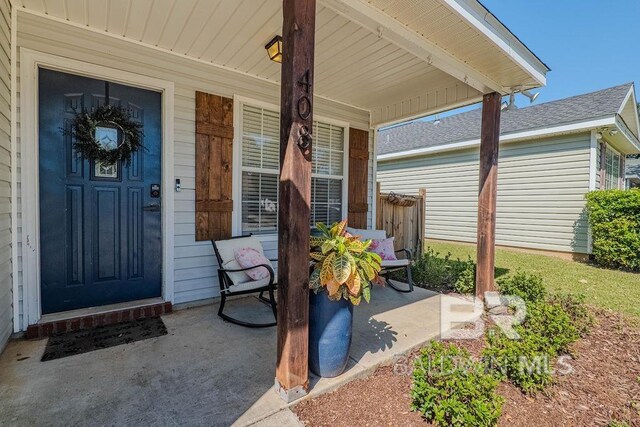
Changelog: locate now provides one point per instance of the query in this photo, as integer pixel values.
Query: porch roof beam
(393, 31)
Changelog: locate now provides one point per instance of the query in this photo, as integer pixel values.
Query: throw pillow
(249, 257)
(384, 248)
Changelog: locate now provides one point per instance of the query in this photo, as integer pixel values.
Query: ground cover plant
(452, 389)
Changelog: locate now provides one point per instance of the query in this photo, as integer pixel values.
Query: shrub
(614, 216)
(574, 306)
(466, 282)
(520, 361)
(553, 325)
(441, 273)
(546, 333)
(450, 389)
(432, 270)
(529, 287)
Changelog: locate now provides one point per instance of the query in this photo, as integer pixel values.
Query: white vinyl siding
(6, 294)
(195, 272)
(541, 188)
(260, 155)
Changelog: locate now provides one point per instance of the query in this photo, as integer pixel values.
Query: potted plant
(343, 271)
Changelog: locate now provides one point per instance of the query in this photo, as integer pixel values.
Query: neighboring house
(633, 173)
(551, 154)
(197, 76)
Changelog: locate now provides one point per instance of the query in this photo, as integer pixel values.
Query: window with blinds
(612, 170)
(260, 167)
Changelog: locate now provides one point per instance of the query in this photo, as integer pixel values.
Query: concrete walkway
(204, 372)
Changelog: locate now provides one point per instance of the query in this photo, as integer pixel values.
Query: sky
(588, 44)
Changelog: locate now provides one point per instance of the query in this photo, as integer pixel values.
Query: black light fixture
(274, 49)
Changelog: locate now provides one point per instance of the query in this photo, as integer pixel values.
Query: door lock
(155, 190)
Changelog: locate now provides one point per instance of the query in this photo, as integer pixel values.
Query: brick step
(112, 317)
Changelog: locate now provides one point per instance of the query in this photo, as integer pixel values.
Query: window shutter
(214, 148)
(603, 166)
(622, 173)
(358, 178)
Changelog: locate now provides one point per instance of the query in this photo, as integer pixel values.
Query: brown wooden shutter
(214, 148)
(358, 178)
(622, 177)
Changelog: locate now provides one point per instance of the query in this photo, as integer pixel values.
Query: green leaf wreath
(83, 130)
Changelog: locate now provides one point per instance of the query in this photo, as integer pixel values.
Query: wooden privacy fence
(402, 216)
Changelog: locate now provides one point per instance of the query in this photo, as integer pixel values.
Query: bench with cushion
(388, 266)
(234, 279)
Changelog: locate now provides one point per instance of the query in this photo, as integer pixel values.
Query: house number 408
(304, 102)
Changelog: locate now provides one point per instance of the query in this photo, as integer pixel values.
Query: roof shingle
(466, 126)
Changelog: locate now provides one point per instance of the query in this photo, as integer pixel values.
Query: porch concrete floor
(204, 372)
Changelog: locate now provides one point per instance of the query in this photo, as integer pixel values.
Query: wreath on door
(106, 135)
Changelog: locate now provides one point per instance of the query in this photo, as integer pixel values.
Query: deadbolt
(155, 190)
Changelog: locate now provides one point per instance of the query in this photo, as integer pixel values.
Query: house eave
(631, 98)
(486, 22)
(631, 140)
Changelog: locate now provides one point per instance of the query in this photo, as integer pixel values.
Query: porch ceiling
(395, 58)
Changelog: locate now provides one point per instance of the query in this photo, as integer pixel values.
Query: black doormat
(79, 342)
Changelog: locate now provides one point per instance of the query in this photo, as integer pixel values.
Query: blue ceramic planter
(330, 325)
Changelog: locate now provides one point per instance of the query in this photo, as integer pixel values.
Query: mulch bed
(604, 386)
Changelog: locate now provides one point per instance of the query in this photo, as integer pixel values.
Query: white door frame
(30, 62)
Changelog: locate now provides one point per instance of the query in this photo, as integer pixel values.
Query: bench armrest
(272, 274)
(407, 253)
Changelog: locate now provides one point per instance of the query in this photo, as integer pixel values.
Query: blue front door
(100, 225)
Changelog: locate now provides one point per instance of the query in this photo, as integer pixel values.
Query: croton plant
(342, 264)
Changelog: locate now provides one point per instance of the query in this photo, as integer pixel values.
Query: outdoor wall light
(274, 49)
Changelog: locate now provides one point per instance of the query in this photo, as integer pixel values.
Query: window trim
(609, 148)
(236, 184)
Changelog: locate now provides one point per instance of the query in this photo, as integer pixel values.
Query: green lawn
(612, 289)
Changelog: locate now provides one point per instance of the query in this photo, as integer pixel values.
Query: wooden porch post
(489, 143)
(296, 119)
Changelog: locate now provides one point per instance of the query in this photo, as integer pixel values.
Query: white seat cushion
(247, 286)
(226, 249)
(237, 277)
(395, 263)
(367, 234)
(252, 284)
